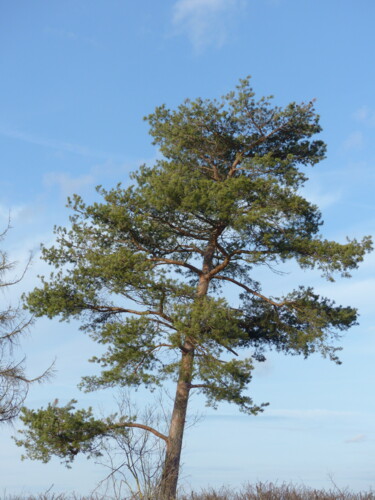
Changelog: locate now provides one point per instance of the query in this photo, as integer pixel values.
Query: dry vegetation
(271, 491)
(260, 491)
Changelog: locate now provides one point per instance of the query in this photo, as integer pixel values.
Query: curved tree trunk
(168, 485)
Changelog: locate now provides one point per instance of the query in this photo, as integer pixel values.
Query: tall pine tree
(146, 270)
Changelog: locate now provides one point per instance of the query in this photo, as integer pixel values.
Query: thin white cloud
(354, 141)
(317, 414)
(359, 438)
(205, 22)
(309, 413)
(67, 184)
(71, 36)
(10, 214)
(323, 199)
(57, 145)
(263, 369)
(101, 173)
(358, 293)
(365, 115)
(368, 265)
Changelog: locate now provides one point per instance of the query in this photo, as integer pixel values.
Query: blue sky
(76, 79)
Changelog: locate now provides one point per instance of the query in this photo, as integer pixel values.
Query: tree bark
(168, 484)
(169, 480)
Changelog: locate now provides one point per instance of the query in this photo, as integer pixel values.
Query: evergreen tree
(146, 270)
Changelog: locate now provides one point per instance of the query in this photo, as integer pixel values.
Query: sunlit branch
(248, 289)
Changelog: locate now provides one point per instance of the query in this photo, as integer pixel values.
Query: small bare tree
(134, 459)
(14, 383)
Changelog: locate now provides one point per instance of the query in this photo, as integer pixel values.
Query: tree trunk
(168, 485)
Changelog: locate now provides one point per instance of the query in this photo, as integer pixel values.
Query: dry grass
(261, 491)
(270, 491)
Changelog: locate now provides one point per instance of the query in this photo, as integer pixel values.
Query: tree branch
(140, 426)
(257, 294)
(129, 311)
(176, 263)
(182, 231)
(198, 386)
(219, 267)
(239, 156)
(170, 346)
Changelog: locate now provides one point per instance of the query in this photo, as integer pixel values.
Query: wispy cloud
(323, 199)
(18, 217)
(365, 115)
(359, 438)
(56, 145)
(358, 293)
(314, 414)
(205, 22)
(317, 413)
(67, 184)
(71, 36)
(10, 214)
(354, 141)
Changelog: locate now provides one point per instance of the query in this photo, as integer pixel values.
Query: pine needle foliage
(146, 270)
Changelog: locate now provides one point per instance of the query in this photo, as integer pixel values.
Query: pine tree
(146, 270)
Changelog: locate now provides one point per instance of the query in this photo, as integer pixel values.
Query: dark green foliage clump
(61, 431)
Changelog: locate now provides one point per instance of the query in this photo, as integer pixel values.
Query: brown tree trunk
(168, 484)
